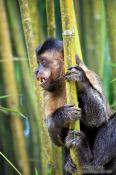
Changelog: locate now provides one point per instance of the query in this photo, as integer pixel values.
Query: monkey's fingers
(74, 139)
(68, 105)
(75, 67)
(72, 113)
(70, 166)
(73, 75)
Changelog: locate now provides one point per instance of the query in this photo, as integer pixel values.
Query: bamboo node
(68, 32)
(28, 19)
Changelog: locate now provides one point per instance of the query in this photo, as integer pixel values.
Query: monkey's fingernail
(79, 109)
(69, 105)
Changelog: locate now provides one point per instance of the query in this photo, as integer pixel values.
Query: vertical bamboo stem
(36, 22)
(111, 18)
(51, 26)
(69, 58)
(10, 87)
(20, 51)
(50, 18)
(46, 151)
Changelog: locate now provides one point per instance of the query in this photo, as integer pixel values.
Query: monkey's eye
(43, 62)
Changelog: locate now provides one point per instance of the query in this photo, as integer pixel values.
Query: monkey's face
(50, 70)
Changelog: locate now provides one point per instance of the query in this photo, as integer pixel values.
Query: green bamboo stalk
(50, 18)
(46, 151)
(110, 7)
(10, 87)
(36, 22)
(77, 40)
(51, 26)
(100, 34)
(21, 53)
(6, 144)
(69, 59)
(93, 34)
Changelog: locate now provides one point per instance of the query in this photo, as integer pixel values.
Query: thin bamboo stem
(110, 7)
(10, 87)
(21, 53)
(46, 150)
(50, 18)
(51, 26)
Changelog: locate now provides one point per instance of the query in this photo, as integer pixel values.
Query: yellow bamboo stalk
(21, 52)
(50, 18)
(46, 151)
(77, 40)
(69, 59)
(10, 87)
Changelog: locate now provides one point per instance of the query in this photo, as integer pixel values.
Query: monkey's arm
(95, 111)
(58, 122)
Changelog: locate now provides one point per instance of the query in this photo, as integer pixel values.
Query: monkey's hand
(78, 141)
(58, 122)
(74, 73)
(70, 167)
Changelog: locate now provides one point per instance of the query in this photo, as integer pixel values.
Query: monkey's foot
(74, 139)
(70, 167)
(74, 73)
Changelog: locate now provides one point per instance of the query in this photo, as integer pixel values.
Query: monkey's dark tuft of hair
(49, 44)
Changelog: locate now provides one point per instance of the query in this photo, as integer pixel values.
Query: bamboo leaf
(4, 96)
(113, 64)
(10, 163)
(36, 172)
(113, 80)
(12, 110)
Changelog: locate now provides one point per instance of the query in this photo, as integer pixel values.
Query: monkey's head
(50, 71)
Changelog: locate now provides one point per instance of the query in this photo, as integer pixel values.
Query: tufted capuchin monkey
(96, 142)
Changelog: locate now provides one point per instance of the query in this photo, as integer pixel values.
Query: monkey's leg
(104, 149)
(78, 141)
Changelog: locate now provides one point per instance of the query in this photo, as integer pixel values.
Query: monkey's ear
(62, 52)
(37, 50)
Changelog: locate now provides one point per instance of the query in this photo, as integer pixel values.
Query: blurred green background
(24, 24)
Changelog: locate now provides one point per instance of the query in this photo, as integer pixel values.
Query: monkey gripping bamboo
(69, 59)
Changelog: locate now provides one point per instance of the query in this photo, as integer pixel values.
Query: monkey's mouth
(42, 81)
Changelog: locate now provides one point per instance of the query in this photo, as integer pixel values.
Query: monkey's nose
(36, 72)
(37, 76)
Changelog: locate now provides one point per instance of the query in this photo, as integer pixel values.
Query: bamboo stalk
(93, 34)
(111, 17)
(10, 87)
(36, 22)
(51, 26)
(69, 59)
(30, 96)
(100, 35)
(50, 18)
(77, 40)
(46, 150)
